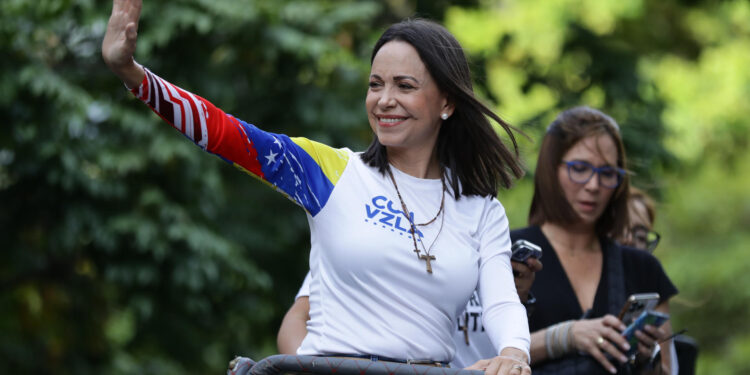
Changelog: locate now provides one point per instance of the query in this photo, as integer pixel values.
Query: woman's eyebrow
(402, 77)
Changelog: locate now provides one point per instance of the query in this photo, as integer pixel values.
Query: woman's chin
(587, 219)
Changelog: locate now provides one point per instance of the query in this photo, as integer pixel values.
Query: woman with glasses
(641, 213)
(579, 204)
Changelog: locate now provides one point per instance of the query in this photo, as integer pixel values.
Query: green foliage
(704, 215)
(544, 56)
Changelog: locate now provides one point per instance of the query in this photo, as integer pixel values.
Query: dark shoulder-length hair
(467, 142)
(549, 203)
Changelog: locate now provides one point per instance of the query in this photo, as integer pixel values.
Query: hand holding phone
(654, 318)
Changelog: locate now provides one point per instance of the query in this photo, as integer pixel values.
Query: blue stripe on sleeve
(290, 169)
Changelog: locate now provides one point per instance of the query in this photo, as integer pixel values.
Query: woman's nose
(386, 100)
(593, 182)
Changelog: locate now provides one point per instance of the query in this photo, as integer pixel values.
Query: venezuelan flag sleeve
(303, 170)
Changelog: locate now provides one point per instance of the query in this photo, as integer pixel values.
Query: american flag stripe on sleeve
(305, 171)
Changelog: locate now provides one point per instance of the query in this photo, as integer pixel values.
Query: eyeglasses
(644, 238)
(581, 172)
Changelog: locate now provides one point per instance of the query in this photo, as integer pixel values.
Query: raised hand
(119, 41)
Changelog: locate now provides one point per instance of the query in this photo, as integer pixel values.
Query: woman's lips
(390, 121)
(587, 206)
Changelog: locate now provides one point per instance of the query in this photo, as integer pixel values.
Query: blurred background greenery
(127, 250)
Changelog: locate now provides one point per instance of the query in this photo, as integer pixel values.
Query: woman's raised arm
(305, 171)
(120, 39)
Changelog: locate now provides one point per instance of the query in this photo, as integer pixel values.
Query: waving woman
(402, 233)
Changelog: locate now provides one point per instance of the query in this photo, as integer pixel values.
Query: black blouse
(556, 300)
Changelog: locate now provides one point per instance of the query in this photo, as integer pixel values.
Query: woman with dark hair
(401, 234)
(580, 204)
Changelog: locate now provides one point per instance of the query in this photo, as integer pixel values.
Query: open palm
(119, 41)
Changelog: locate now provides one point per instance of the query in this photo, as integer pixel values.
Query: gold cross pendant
(427, 258)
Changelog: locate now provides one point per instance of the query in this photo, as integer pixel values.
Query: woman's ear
(448, 109)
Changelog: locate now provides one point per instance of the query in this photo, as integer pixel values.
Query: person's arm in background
(294, 325)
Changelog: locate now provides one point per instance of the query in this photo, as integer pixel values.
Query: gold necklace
(426, 257)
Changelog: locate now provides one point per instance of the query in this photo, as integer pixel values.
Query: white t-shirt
(472, 344)
(405, 311)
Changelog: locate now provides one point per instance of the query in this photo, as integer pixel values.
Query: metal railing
(305, 364)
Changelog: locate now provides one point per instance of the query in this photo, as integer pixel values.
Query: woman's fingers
(534, 264)
(515, 369)
(118, 46)
(131, 32)
(599, 356)
(645, 339)
(644, 352)
(614, 332)
(611, 348)
(617, 339)
(493, 368)
(481, 364)
(658, 334)
(601, 337)
(612, 321)
(503, 365)
(119, 41)
(520, 269)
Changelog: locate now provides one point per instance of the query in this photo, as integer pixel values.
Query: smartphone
(522, 250)
(636, 305)
(654, 318)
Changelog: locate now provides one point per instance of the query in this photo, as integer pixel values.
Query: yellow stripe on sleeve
(332, 161)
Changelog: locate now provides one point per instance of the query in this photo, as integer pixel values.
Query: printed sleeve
(304, 290)
(303, 170)
(503, 315)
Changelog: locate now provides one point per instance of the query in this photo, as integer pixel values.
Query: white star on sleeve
(271, 157)
(276, 141)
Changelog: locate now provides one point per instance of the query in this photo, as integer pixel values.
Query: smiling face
(403, 102)
(588, 200)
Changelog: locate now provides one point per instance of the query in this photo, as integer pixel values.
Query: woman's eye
(405, 86)
(374, 84)
(608, 173)
(580, 167)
